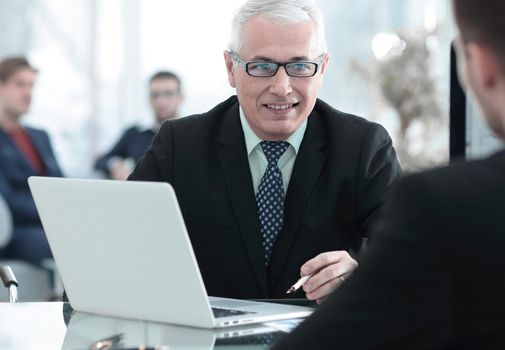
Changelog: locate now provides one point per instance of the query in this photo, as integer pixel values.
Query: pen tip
(290, 290)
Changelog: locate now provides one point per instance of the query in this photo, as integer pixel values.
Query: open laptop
(122, 250)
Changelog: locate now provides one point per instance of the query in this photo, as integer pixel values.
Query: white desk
(52, 326)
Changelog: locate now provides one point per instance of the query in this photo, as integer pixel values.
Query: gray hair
(284, 11)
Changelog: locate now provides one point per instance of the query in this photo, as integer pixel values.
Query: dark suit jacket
(433, 276)
(14, 172)
(344, 167)
(132, 144)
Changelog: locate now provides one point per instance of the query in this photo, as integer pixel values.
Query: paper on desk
(285, 326)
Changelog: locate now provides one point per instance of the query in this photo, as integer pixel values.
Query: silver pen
(299, 283)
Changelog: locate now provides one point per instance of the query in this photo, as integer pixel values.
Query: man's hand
(119, 168)
(330, 270)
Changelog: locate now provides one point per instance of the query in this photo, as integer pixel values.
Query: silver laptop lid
(103, 233)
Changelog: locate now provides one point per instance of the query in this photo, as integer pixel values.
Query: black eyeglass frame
(316, 62)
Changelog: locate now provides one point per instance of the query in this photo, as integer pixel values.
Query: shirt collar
(252, 140)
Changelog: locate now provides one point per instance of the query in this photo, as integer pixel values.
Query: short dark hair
(165, 74)
(482, 21)
(10, 65)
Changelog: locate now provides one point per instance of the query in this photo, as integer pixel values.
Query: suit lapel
(51, 167)
(237, 175)
(308, 165)
(12, 154)
(40, 147)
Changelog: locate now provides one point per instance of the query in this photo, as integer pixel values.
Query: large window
(389, 64)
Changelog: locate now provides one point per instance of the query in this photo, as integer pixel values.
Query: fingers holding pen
(326, 275)
(329, 269)
(324, 290)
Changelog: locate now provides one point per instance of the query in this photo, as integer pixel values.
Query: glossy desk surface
(54, 325)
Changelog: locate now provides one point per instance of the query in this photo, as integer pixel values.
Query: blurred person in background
(24, 152)
(165, 96)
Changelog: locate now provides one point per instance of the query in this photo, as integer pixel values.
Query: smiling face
(276, 106)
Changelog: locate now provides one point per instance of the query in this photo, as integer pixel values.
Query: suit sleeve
(53, 168)
(119, 150)
(399, 294)
(378, 171)
(157, 163)
(19, 198)
(20, 204)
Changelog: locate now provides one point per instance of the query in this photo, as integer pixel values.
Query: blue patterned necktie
(270, 196)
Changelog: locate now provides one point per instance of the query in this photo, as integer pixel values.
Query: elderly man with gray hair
(273, 183)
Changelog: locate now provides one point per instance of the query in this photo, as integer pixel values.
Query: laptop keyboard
(228, 312)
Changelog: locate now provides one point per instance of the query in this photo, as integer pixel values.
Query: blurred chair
(37, 283)
(5, 223)
(10, 282)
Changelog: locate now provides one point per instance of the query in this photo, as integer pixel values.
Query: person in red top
(24, 152)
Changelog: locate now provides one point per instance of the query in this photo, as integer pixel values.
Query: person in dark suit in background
(433, 276)
(24, 152)
(274, 183)
(165, 96)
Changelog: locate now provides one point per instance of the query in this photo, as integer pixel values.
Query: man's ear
(460, 49)
(325, 62)
(228, 60)
(483, 63)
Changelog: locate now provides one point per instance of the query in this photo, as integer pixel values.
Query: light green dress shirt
(257, 159)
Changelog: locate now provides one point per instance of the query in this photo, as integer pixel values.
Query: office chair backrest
(5, 223)
(35, 281)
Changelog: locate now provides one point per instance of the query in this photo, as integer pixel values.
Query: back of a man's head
(483, 21)
(10, 65)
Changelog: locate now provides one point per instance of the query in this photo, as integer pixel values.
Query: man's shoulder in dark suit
(132, 144)
(36, 131)
(462, 179)
(433, 274)
(350, 132)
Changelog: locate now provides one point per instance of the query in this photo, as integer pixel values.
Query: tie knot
(273, 150)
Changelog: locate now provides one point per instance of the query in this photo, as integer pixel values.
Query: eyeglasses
(264, 69)
(159, 94)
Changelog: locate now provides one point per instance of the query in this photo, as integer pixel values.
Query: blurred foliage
(402, 72)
